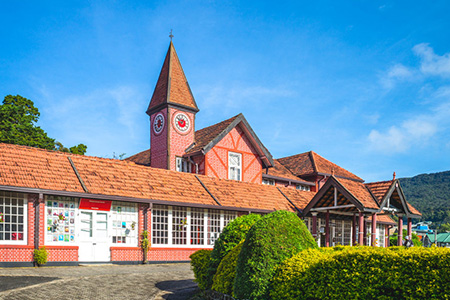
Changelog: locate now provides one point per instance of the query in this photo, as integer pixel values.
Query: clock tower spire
(172, 112)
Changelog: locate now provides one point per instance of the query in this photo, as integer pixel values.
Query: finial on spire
(171, 35)
(394, 176)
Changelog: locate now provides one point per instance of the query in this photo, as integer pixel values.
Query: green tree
(18, 118)
(444, 227)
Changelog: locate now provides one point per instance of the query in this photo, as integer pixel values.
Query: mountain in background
(430, 194)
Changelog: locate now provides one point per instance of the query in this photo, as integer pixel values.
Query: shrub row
(364, 273)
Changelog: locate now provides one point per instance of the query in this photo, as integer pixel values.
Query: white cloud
(401, 138)
(395, 74)
(431, 63)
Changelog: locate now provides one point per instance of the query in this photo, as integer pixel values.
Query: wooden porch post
(314, 225)
(374, 230)
(400, 231)
(361, 228)
(327, 229)
(386, 235)
(409, 229)
(354, 229)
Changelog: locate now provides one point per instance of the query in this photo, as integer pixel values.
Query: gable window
(234, 166)
(268, 181)
(182, 165)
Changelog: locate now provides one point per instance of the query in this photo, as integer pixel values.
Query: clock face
(181, 122)
(158, 123)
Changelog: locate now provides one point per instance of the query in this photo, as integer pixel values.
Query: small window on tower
(183, 165)
(234, 166)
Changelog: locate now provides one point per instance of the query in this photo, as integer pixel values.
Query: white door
(94, 237)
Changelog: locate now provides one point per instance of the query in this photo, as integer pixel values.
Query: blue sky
(366, 84)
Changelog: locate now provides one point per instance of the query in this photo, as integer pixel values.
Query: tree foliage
(230, 237)
(430, 194)
(274, 238)
(18, 118)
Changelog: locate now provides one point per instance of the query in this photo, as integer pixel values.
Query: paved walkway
(155, 281)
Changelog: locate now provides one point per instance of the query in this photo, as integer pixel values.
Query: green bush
(364, 273)
(40, 256)
(224, 279)
(199, 265)
(274, 238)
(231, 236)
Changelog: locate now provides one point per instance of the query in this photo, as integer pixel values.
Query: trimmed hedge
(365, 273)
(231, 236)
(224, 279)
(199, 265)
(274, 238)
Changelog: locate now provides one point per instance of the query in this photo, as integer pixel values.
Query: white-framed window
(13, 218)
(234, 166)
(179, 225)
(183, 165)
(60, 219)
(197, 226)
(214, 227)
(347, 234)
(160, 225)
(125, 223)
(303, 187)
(380, 235)
(268, 181)
(174, 226)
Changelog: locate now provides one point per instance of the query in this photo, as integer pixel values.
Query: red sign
(95, 204)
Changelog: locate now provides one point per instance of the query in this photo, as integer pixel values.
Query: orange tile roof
(385, 219)
(359, 191)
(24, 166)
(379, 189)
(172, 86)
(245, 195)
(309, 163)
(298, 197)
(206, 135)
(141, 158)
(120, 178)
(278, 170)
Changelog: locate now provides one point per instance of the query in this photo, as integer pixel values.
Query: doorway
(94, 237)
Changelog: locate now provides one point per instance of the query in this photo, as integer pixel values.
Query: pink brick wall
(216, 160)
(158, 143)
(62, 253)
(178, 141)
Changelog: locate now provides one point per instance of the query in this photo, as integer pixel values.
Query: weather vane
(171, 35)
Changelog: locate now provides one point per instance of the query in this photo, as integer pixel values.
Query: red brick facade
(216, 160)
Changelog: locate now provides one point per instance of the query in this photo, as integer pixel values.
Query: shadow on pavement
(178, 289)
(14, 282)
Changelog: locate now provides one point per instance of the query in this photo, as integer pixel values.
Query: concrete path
(155, 281)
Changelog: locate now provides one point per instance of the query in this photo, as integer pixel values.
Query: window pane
(11, 206)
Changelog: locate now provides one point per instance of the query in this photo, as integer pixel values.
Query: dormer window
(183, 165)
(234, 166)
(268, 181)
(303, 187)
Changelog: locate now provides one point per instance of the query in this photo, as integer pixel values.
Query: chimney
(394, 176)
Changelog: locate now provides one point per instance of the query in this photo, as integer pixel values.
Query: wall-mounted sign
(92, 204)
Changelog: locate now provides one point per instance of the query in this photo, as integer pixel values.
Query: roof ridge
(219, 122)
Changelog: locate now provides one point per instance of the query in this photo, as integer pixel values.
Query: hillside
(429, 193)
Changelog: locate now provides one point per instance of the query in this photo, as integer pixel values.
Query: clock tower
(172, 112)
